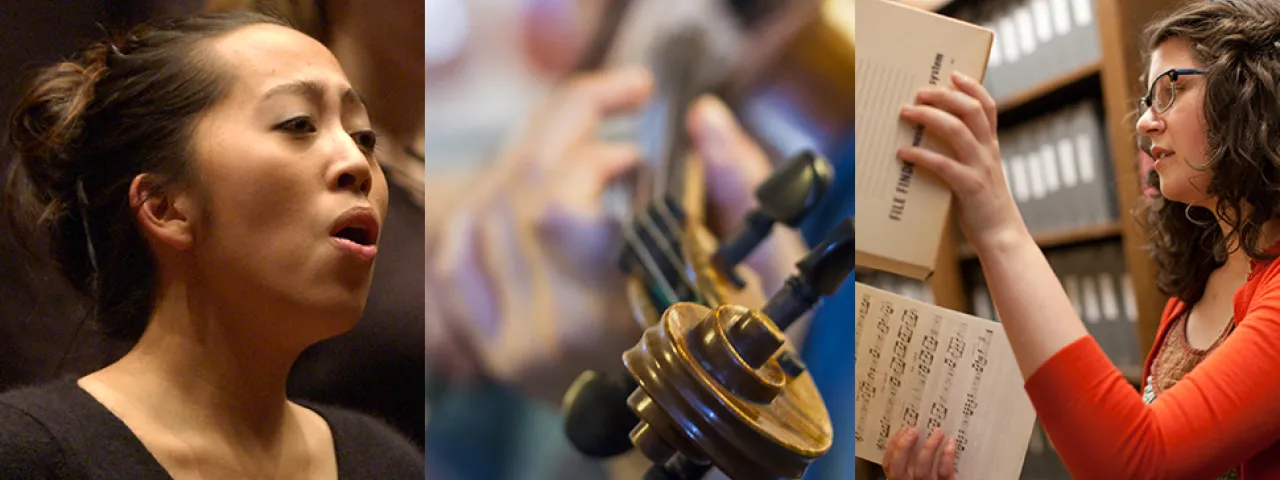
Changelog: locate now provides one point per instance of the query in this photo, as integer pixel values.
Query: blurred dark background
(39, 313)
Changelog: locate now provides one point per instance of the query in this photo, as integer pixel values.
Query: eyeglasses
(1160, 95)
(1164, 89)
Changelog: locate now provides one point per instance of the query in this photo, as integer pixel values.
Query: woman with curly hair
(1210, 120)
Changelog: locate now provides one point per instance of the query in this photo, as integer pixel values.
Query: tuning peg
(786, 197)
(821, 273)
(597, 420)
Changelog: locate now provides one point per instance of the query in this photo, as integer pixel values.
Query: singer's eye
(366, 139)
(301, 125)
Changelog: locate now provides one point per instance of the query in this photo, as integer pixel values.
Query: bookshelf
(1057, 84)
(1111, 80)
(1119, 24)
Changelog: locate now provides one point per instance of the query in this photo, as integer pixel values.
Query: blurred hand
(904, 460)
(966, 120)
(735, 166)
(523, 266)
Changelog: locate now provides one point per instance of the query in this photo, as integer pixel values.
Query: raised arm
(1209, 422)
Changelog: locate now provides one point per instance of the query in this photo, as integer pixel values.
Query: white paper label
(1084, 145)
(1021, 186)
(1026, 30)
(1010, 34)
(1110, 304)
(1037, 177)
(1044, 26)
(1089, 292)
(1082, 10)
(1066, 153)
(1061, 17)
(1050, 168)
(1130, 303)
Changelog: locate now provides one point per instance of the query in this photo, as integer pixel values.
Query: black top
(59, 431)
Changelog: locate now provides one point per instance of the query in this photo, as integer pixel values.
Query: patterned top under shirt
(1176, 358)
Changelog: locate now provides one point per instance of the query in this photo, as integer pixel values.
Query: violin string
(646, 260)
(663, 242)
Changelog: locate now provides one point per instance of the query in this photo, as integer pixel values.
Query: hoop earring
(1186, 212)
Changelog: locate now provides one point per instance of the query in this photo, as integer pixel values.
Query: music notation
(923, 365)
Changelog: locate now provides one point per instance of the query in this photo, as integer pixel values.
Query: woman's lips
(364, 253)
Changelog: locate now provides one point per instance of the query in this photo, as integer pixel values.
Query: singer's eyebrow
(314, 92)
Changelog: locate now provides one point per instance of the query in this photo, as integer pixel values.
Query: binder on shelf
(1039, 220)
(1062, 144)
(1091, 299)
(984, 14)
(1084, 34)
(1094, 279)
(1036, 41)
(1060, 17)
(1015, 75)
(1051, 45)
(1057, 211)
(902, 210)
(1094, 163)
(1019, 177)
(1109, 299)
(1126, 328)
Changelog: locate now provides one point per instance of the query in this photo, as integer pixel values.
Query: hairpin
(84, 222)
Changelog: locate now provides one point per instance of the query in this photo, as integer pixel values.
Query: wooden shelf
(1058, 238)
(1052, 85)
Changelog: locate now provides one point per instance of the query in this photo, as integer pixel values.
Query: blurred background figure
(508, 84)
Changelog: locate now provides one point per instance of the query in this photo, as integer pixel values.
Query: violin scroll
(724, 387)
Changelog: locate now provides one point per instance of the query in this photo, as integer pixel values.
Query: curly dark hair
(1236, 40)
(85, 128)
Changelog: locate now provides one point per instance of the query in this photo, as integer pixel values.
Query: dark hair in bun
(85, 128)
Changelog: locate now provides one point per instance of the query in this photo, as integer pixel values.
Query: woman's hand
(904, 461)
(966, 120)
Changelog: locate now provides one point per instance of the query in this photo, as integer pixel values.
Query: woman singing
(211, 184)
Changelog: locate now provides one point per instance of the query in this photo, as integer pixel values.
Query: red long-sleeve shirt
(1224, 413)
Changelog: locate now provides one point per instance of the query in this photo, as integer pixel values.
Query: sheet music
(926, 366)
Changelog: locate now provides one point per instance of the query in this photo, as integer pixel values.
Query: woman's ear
(166, 215)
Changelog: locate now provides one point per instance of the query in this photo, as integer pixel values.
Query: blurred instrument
(712, 382)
